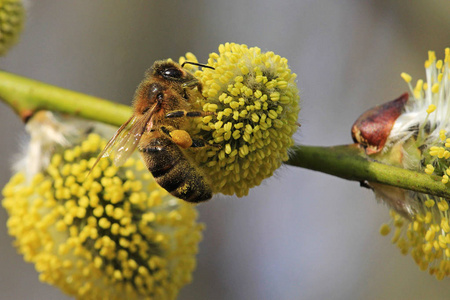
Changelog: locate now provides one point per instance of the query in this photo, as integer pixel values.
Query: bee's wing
(119, 135)
(120, 138)
(126, 143)
(126, 139)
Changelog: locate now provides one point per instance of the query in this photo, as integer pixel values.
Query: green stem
(27, 96)
(350, 162)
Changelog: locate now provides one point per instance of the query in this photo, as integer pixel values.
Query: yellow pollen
(435, 88)
(418, 89)
(429, 169)
(431, 108)
(406, 77)
(385, 229)
(443, 205)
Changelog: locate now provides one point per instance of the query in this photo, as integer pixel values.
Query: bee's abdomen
(173, 171)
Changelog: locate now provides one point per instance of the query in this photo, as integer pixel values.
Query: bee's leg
(189, 86)
(190, 114)
(192, 83)
(200, 143)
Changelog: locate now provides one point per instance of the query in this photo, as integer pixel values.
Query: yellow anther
(406, 77)
(431, 108)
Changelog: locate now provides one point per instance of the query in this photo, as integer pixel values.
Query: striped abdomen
(173, 171)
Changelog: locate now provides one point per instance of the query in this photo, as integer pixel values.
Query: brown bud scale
(373, 127)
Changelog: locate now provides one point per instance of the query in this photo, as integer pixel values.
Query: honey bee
(162, 104)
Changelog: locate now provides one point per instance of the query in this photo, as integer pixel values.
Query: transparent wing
(120, 133)
(125, 140)
(126, 143)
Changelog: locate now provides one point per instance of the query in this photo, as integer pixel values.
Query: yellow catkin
(119, 249)
(424, 231)
(12, 17)
(239, 91)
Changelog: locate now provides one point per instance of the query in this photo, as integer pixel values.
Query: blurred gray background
(301, 234)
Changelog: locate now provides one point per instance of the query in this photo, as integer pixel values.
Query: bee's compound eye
(172, 73)
(160, 96)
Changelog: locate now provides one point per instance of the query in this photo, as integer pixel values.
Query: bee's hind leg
(198, 143)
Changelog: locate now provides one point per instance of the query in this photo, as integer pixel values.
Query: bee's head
(168, 70)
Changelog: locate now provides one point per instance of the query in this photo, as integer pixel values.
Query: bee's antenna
(196, 64)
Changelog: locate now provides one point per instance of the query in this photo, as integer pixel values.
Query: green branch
(26, 96)
(350, 162)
